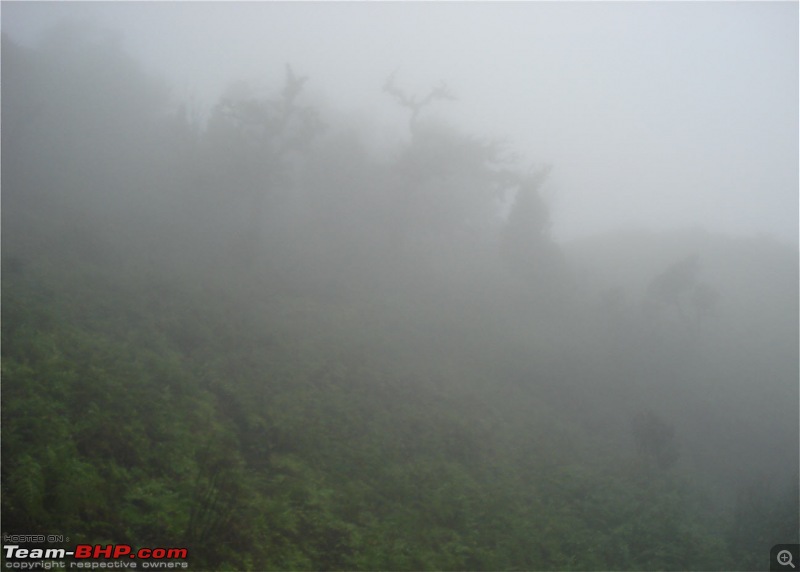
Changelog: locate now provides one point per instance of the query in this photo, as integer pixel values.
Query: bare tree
(412, 102)
(258, 139)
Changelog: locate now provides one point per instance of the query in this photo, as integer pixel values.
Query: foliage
(365, 389)
(679, 290)
(655, 440)
(527, 247)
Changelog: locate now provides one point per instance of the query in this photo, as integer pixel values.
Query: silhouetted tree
(254, 140)
(79, 116)
(526, 245)
(655, 440)
(679, 290)
(414, 103)
(671, 286)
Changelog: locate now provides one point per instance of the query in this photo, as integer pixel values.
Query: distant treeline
(251, 336)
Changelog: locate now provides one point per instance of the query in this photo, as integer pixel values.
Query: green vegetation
(323, 392)
(298, 441)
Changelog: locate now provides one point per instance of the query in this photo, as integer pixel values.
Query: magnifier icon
(785, 558)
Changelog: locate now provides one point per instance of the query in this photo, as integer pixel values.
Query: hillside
(290, 356)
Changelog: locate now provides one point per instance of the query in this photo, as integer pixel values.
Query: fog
(403, 286)
(657, 115)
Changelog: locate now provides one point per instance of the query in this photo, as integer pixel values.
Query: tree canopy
(247, 335)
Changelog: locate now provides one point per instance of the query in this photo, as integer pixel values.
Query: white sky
(659, 115)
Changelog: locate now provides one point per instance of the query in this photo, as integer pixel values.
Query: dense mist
(402, 286)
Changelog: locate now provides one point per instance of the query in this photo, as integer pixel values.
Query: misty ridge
(249, 332)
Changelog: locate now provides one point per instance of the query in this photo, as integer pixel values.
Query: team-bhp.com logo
(94, 556)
